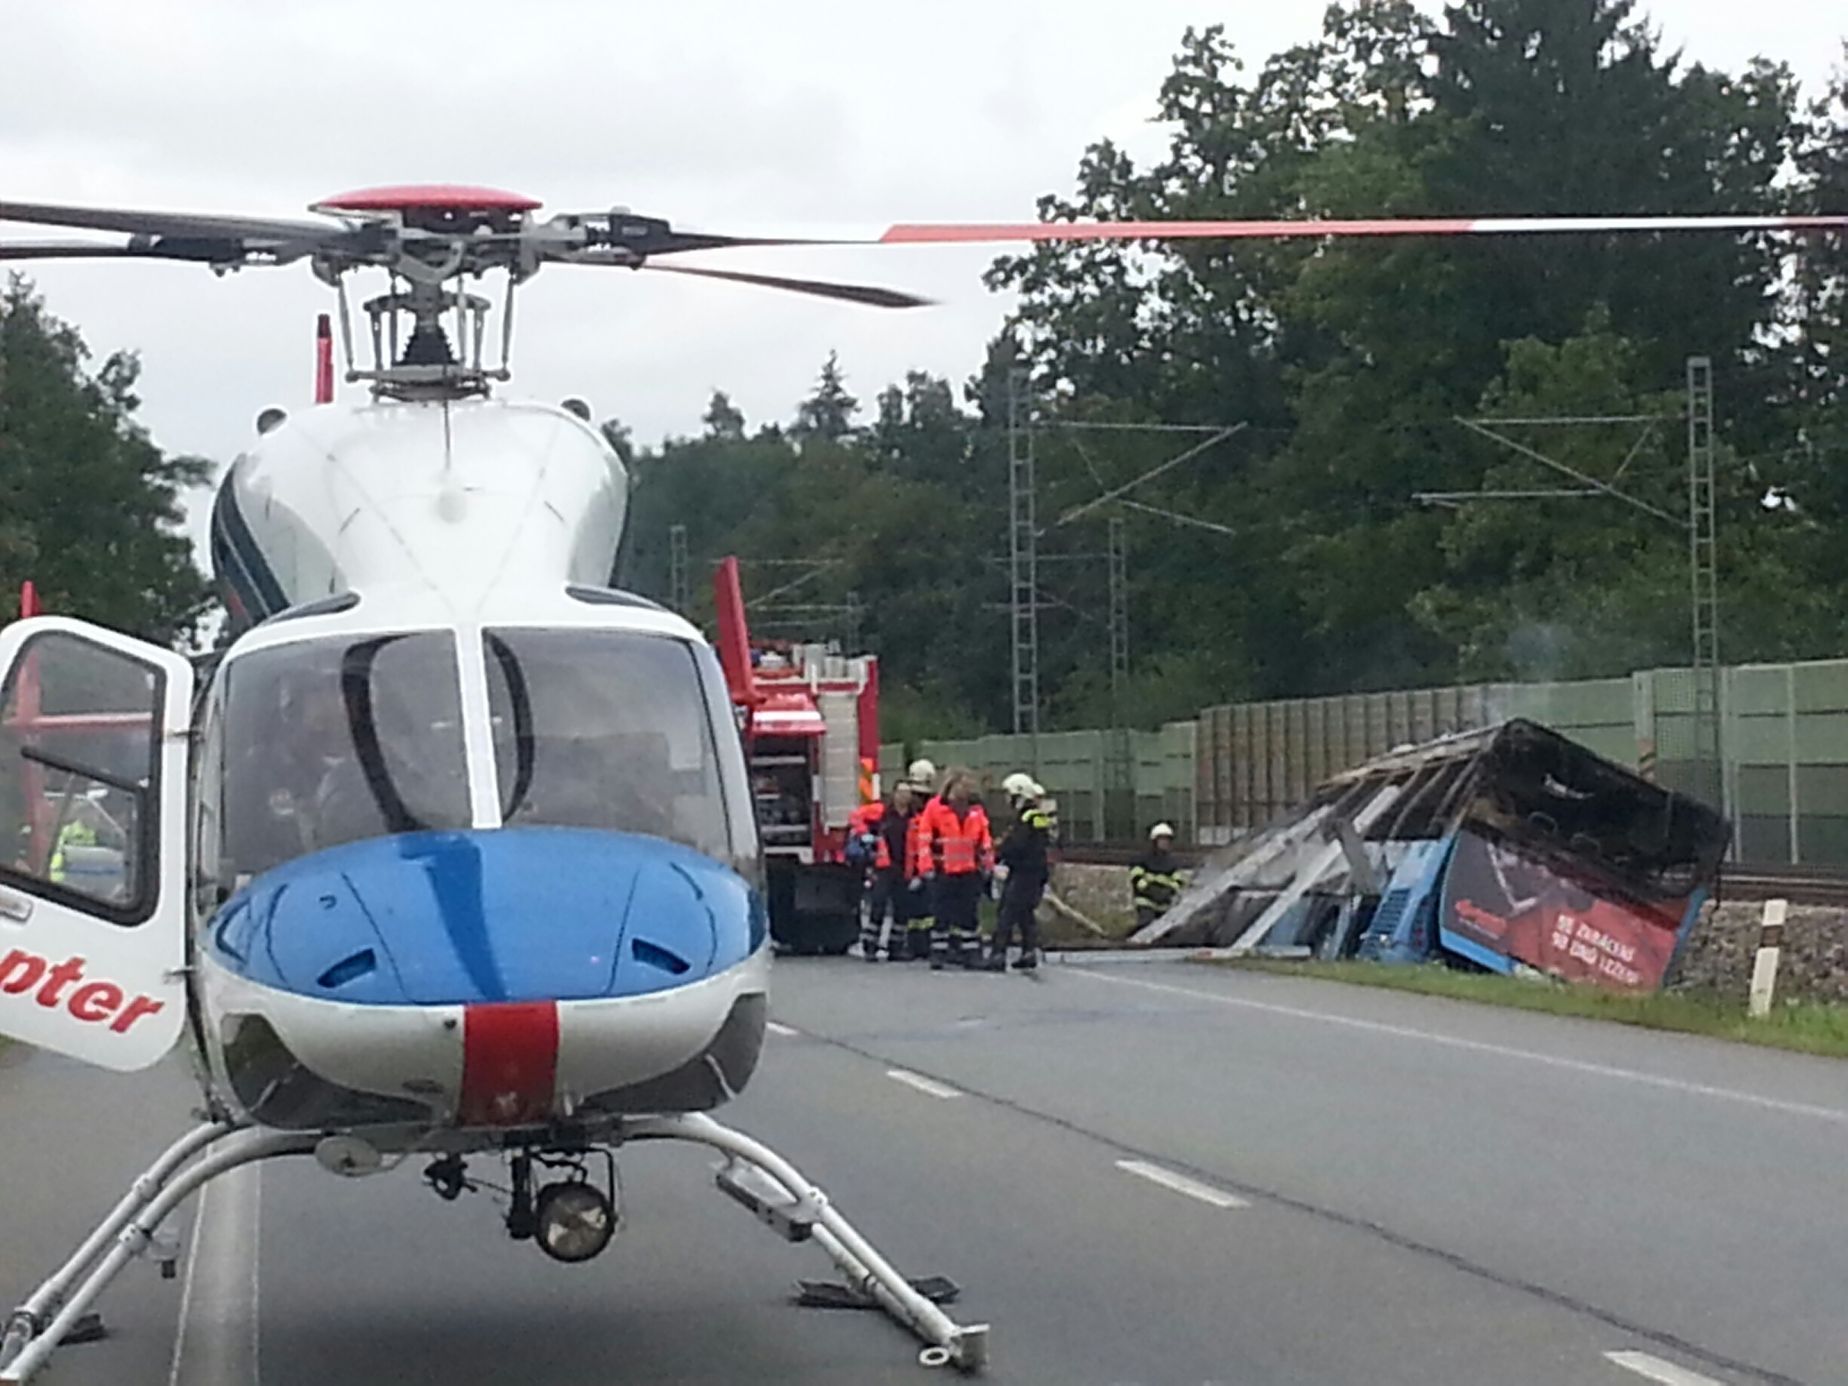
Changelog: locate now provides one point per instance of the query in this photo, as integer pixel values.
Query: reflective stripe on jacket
(1155, 881)
(954, 844)
(1026, 850)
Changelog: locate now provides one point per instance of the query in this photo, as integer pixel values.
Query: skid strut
(808, 1213)
(26, 1322)
(55, 1308)
(755, 1175)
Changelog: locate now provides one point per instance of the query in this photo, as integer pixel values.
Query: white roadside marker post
(1764, 967)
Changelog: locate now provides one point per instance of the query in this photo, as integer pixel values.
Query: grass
(1806, 1027)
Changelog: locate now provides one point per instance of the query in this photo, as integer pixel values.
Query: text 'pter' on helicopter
(450, 854)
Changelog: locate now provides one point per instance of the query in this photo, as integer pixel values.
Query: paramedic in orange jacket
(956, 855)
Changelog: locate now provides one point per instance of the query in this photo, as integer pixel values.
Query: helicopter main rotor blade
(970, 233)
(191, 250)
(850, 293)
(185, 225)
(926, 233)
(66, 250)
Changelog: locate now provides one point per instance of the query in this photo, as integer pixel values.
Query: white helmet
(1161, 830)
(1020, 786)
(923, 774)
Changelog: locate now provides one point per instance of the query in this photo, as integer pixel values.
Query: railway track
(1801, 885)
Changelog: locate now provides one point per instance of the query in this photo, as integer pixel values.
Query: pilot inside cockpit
(342, 742)
(338, 739)
(315, 792)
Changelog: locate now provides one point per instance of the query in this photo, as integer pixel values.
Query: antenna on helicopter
(323, 360)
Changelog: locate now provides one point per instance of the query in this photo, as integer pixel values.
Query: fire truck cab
(810, 718)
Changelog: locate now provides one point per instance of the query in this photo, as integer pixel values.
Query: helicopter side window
(605, 729)
(332, 741)
(79, 759)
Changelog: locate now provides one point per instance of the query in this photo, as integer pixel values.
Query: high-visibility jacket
(72, 834)
(955, 844)
(1156, 880)
(865, 825)
(890, 831)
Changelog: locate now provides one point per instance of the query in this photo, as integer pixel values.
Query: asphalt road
(1140, 1174)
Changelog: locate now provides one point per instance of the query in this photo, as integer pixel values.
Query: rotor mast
(428, 331)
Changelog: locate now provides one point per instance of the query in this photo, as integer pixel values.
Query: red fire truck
(810, 718)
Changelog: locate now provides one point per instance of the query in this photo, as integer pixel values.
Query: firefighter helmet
(1020, 786)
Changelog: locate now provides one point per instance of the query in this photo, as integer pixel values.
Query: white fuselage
(456, 498)
(482, 525)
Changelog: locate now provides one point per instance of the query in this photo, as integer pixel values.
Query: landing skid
(59, 1311)
(799, 1211)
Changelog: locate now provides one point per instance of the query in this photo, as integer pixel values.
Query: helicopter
(448, 852)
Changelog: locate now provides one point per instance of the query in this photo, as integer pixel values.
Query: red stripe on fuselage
(509, 1062)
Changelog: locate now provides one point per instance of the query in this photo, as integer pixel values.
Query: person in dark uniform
(1024, 862)
(1155, 881)
(883, 830)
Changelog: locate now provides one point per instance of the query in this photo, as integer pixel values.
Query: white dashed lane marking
(1181, 1184)
(784, 1030)
(924, 1085)
(1655, 1369)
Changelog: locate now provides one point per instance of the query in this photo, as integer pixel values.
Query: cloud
(710, 114)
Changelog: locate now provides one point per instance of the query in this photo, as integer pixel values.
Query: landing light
(576, 1220)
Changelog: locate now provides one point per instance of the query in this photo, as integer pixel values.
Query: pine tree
(723, 419)
(828, 413)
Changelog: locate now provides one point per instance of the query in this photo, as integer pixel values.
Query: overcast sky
(714, 116)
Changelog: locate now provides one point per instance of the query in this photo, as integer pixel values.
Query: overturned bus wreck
(1511, 849)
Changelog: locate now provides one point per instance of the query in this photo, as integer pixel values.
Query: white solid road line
(784, 1030)
(921, 1083)
(1774, 1104)
(186, 1284)
(1181, 1184)
(1654, 1368)
(216, 1344)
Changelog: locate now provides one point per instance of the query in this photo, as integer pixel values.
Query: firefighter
(955, 854)
(1155, 881)
(1023, 861)
(921, 775)
(882, 831)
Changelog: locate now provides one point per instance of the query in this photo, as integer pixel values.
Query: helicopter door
(93, 742)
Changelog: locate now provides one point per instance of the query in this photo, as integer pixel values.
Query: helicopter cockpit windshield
(331, 740)
(334, 740)
(605, 729)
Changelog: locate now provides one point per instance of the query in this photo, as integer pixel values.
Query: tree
(91, 506)
(1350, 364)
(1349, 360)
(621, 440)
(828, 413)
(723, 419)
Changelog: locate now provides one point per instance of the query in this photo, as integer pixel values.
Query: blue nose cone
(514, 914)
